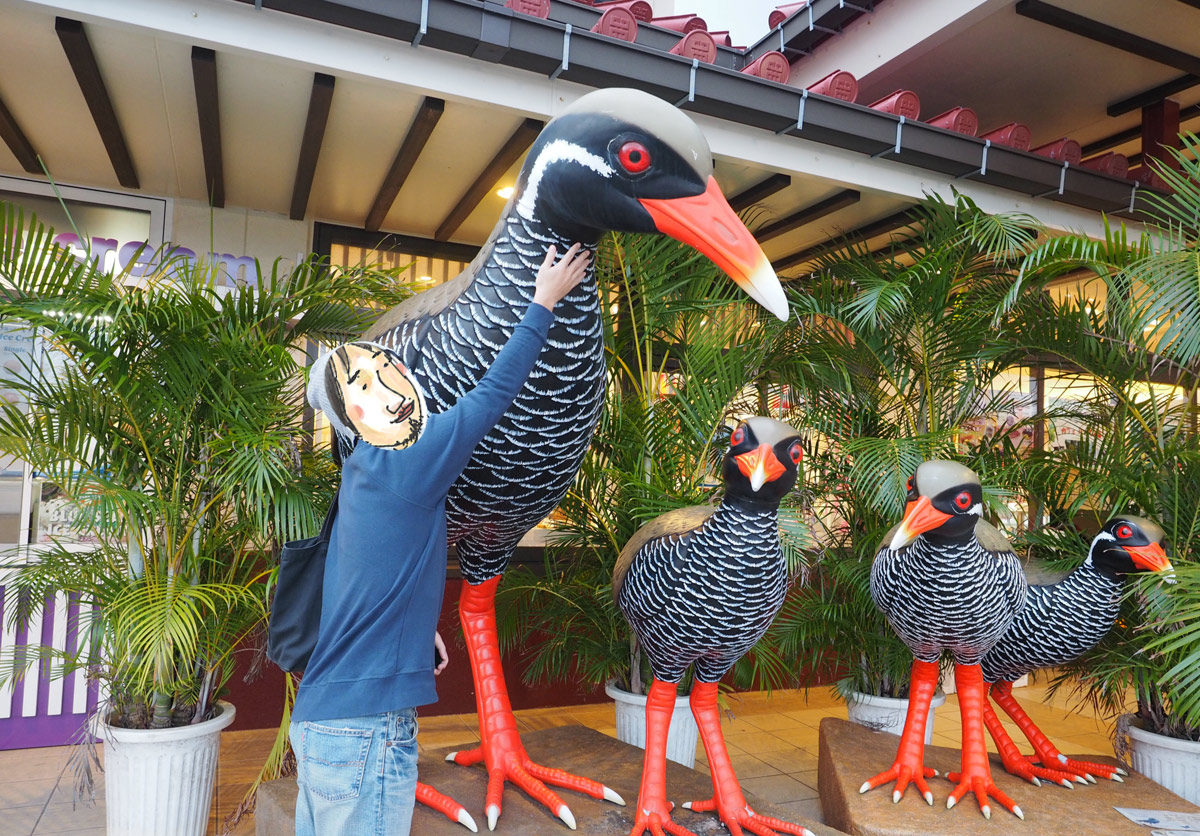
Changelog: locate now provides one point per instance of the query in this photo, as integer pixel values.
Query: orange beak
(760, 466)
(708, 223)
(1152, 558)
(920, 517)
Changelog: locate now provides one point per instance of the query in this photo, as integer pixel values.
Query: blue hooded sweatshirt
(386, 567)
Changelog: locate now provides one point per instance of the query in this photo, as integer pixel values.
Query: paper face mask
(375, 395)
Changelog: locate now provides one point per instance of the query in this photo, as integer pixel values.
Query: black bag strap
(327, 526)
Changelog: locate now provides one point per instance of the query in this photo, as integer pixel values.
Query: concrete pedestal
(850, 754)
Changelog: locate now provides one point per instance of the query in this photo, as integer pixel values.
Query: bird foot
(445, 805)
(981, 785)
(655, 818)
(1080, 770)
(747, 819)
(516, 767)
(1033, 772)
(903, 773)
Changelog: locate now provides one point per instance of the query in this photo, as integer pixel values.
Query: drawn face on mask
(379, 399)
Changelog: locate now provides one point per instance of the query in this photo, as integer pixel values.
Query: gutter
(801, 33)
(487, 31)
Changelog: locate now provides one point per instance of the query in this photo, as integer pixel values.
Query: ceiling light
(425, 279)
(506, 192)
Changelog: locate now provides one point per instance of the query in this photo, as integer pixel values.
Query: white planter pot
(160, 781)
(887, 714)
(631, 725)
(1168, 761)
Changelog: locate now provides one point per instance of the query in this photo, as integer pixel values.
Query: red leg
(445, 805)
(501, 749)
(727, 798)
(1050, 757)
(653, 810)
(976, 775)
(909, 766)
(1016, 763)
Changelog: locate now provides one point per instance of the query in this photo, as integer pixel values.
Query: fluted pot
(1169, 761)
(887, 714)
(160, 781)
(631, 725)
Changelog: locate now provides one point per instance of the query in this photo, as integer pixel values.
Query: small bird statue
(947, 581)
(616, 159)
(700, 586)
(1061, 622)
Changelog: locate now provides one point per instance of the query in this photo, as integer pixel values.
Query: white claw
(929, 798)
(895, 796)
(613, 796)
(565, 815)
(1088, 775)
(493, 816)
(1034, 780)
(1079, 779)
(1067, 784)
(1121, 771)
(450, 757)
(1118, 778)
(1062, 758)
(866, 786)
(987, 812)
(1018, 813)
(936, 773)
(687, 805)
(464, 818)
(950, 802)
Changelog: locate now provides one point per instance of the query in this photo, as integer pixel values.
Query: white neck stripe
(556, 152)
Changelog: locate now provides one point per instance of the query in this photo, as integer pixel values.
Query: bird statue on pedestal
(946, 581)
(1059, 623)
(699, 586)
(616, 159)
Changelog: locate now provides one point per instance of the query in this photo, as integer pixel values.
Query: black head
(945, 501)
(763, 462)
(1127, 545)
(620, 159)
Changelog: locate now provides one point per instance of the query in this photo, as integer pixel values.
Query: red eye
(796, 453)
(909, 486)
(739, 435)
(1124, 532)
(634, 157)
(963, 500)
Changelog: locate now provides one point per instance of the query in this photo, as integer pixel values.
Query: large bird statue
(947, 581)
(616, 159)
(700, 586)
(1061, 622)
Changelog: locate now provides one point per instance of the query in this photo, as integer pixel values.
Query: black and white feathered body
(945, 578)
(701, 585)
(1062, 621)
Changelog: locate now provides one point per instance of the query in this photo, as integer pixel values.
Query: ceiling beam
(1110, 35)
(1129, 134)
(410, 149)
(79, 52)
(814, 212)
(310, 146)
(1195, 4)
(508, 154)
(1152, 96)
(863, 233)
(17, 142)
(204, 78)
(760, 192)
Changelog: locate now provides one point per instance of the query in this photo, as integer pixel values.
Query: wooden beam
(204, 78)
(832, 245)
(1102, 33)
(508, 154)
(410, 149)
(17, 142)
(1130, 134)
(760, 192)
(1155, 94)
(79, 52)
(310, 146)
(814, 212)
(1195, 4)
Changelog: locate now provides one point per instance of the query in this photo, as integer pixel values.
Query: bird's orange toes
(657, 823)
(982, 787)
(737, 820)
(903, 774)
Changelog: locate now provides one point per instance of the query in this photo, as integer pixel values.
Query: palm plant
(904, 354)
(688, 356)
(1138, 450)
(169, 413)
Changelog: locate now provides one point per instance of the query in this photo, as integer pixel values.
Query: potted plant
(1137, 450)
(168, 412)
(685, 360)
(906, 361)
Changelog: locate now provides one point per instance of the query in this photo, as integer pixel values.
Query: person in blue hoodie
(353, 726)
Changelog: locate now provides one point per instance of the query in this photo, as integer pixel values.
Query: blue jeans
(358, 776)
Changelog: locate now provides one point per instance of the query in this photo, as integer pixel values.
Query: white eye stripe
(976, 509)
(560, 150)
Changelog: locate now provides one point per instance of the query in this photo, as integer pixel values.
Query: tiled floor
(772, 740)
